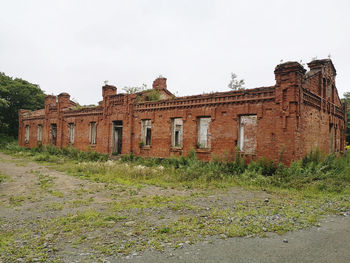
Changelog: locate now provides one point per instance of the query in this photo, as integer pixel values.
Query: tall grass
(316, 172)
(49, 153)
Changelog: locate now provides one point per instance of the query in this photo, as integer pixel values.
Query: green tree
(346, 99)
(236, 84)
(136, 89)
(17, 94)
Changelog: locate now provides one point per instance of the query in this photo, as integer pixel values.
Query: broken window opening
(26, 138)
(177, 138)
(176, 132)
(93, 132)
(331, 138)
(148, 136)
(203, 140)
(247, 133)
(329, 90)
(71, 133)
(324, 88)
(117, 137)
(53, 133)
(146, 132)
(40, 133)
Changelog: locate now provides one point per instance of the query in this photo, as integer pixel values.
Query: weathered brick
(301, 112)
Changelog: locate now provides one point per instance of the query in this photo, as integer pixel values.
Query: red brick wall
(293, 117)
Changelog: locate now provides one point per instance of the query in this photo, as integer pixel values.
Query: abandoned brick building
(301, 112)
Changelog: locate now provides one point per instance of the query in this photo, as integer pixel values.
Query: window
(203, 140)
(331, 138)
(329, 89)
(40, 133)
(176, 132)
(26, 138)
(93, 132)
(146, 132)
(248, 127)
(71, 132)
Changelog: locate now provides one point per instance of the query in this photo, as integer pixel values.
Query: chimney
(289, 72)
(108, 90)
(159, 84)
(50, 100)
(63, 101)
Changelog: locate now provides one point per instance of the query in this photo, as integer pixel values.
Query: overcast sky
(73, 46)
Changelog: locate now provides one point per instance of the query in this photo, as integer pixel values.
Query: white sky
(73, 46)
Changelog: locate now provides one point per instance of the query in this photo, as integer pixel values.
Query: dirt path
(49, 216)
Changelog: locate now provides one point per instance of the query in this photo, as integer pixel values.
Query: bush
(152, 95)
(5, 139)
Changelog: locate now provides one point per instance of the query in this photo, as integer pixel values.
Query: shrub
(5, 140)
(152, 95)
(313, 157)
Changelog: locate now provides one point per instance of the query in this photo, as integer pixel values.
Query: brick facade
(301, 112)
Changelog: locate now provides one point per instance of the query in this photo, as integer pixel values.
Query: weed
(55, 206)
(45, 181)
(56, 193)
(164, 230)
(17, 200)
(3, 177)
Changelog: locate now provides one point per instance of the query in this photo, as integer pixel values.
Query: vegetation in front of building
(299, 196)
(315, 171)
(50, 153)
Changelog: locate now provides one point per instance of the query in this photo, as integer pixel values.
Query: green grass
(315, 173)
(301, 194)
(243, 218)
(49, 153)
(3, 177)
(17, 200)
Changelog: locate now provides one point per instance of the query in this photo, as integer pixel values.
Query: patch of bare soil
(33, 194)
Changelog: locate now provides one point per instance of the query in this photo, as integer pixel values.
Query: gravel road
(328, 243)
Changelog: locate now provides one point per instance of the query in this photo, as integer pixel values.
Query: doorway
(117, 137)
(53, 134)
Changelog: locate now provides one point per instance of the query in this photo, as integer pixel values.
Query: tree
(133, 90)
(17, 94)
(236, 84)
(3, 106)
(346, 100)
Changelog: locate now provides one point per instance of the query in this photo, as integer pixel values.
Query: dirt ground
(33, 193)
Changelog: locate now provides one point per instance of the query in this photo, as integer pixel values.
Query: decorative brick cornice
(314, 100)
(219, 98)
